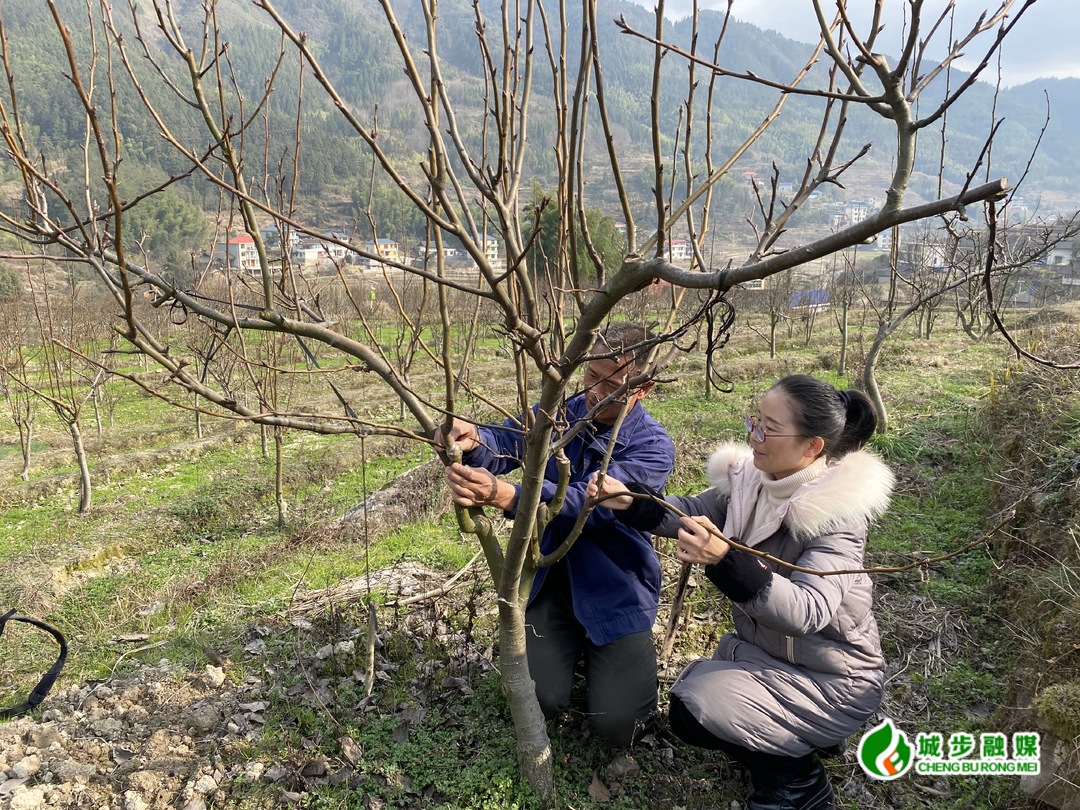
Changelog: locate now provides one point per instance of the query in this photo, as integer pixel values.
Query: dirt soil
(146, 741)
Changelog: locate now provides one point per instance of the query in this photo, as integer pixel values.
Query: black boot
(780, 783)
(803, 786)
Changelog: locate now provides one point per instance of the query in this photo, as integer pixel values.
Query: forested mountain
(350, 39)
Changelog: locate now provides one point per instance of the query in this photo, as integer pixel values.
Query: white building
(335, 251)
(1061, 254)
(680, 250)
(491, 250)
(857, 211)
(238, 253)
(308, 253)
(272, 235)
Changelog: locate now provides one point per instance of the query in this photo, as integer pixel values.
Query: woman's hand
(622, 498)
(699, 541)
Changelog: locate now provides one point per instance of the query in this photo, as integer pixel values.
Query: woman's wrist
(645, 513)
(740, 575)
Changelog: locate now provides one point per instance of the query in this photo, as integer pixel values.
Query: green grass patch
(186, 550)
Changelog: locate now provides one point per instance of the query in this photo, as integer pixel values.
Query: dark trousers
(765, 769)
(620, 677)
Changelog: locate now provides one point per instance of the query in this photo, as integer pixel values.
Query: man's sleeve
(646, 461)
(499, 450)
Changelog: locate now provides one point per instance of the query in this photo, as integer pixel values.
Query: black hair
(624, 339)
(844, 419)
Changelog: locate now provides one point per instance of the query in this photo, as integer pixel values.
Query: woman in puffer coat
(803, 669)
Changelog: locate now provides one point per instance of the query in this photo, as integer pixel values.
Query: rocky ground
(149, 740)
(159, 736)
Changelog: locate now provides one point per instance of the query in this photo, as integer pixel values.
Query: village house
(308, 253)
(335, 251)
(491, 251)
(449, 253)
(1063, 253)
(460, 258)
(1063, 263)
(849, 213)
(857, 211)
(272, 235)
(238, 253)
(387, 249)
(810, 300)
(680, 250)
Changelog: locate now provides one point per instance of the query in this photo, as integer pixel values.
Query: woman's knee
(687, 728)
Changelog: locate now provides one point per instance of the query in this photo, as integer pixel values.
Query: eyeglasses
(757, 430)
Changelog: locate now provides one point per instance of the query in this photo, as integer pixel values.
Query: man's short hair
(625, 340)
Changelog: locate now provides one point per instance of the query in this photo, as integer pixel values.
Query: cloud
(1043, 43)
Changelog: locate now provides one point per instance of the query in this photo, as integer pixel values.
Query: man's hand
(463, 434)
(475, 486)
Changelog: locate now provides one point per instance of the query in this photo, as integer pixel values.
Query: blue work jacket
(613, 570)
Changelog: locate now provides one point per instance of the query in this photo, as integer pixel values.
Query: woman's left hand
(699, 541)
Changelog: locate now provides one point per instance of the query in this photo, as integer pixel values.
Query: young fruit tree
(443, 116)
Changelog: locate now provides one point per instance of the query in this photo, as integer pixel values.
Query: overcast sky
(1045, 42)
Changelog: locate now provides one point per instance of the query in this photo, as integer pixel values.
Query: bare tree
(15, 366)
(59, 371)
(775, 301)
(844, 287)
(468, 185)
(928, 262)
(953, 260)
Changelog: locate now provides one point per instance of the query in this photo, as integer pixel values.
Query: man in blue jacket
(600, 601)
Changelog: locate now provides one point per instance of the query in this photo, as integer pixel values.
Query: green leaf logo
(884, 751)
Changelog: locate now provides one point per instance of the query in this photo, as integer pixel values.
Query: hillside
(349, 38)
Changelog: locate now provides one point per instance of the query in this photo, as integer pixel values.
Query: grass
(186, 549)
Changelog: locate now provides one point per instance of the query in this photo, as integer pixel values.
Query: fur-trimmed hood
(856, 487)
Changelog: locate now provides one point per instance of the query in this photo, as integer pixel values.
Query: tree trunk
(198, 419)
(811, 318)
(26, 442)
(96, 398)
(968, 326)
(533, 744)
(870, 378)
(85, 492)
(279, 478)
(842, 369)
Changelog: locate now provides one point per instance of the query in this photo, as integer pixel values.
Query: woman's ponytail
(845, 420)
(860, 422)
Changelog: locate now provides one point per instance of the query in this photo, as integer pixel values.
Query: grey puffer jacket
(804, 667)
